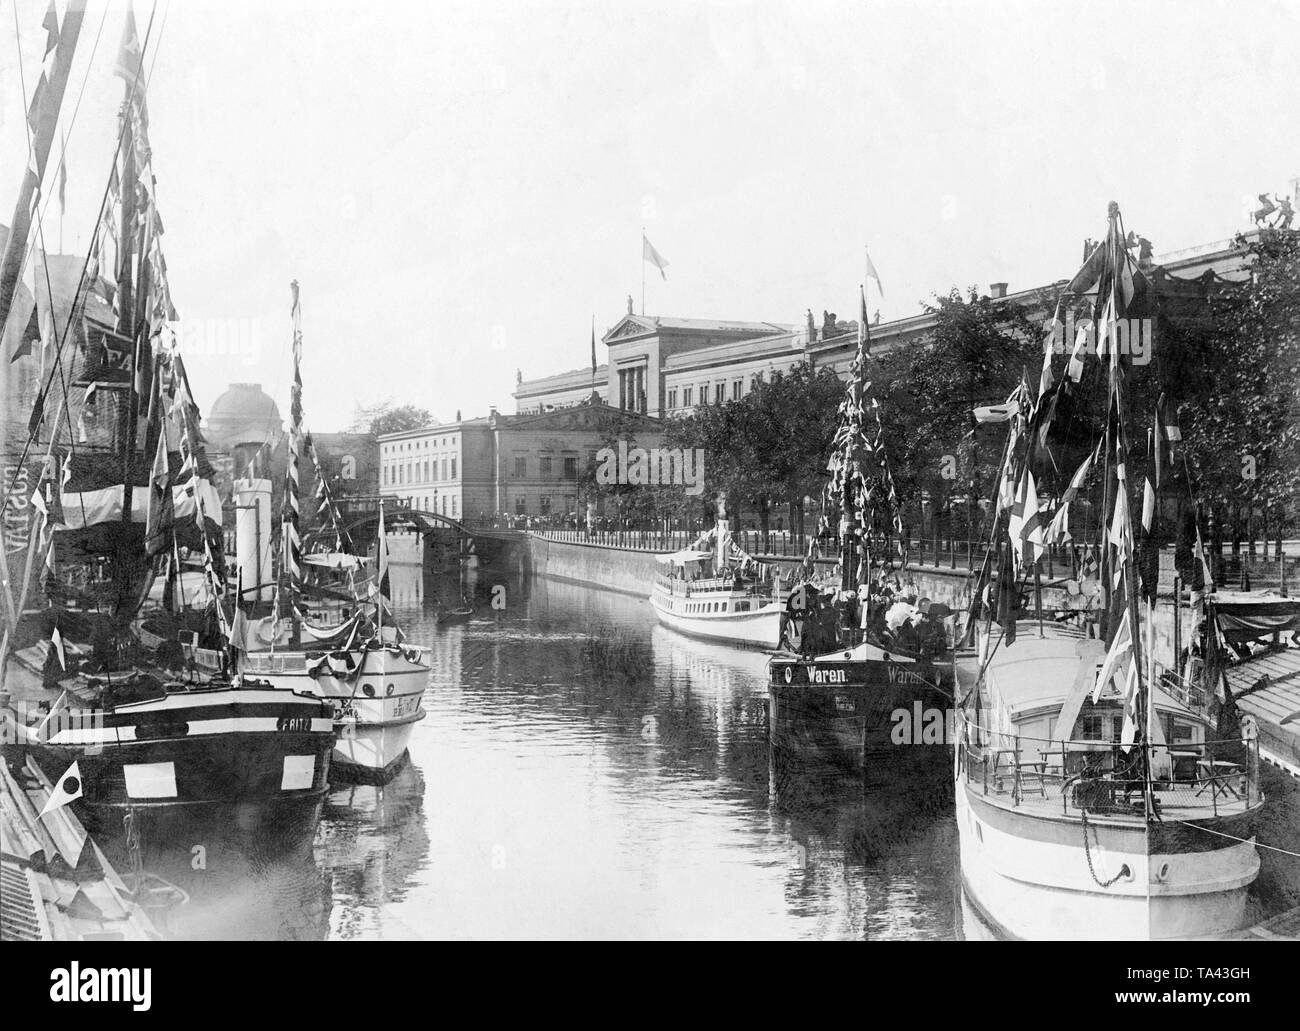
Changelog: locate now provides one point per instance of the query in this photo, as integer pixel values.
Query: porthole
(390, 689)
(368, 690)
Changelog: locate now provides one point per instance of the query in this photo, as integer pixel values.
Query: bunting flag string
(291, 543)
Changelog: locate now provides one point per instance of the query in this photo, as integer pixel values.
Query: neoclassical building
(665, 365)
(528, 464)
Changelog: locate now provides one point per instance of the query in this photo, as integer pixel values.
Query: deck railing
(1102, 777)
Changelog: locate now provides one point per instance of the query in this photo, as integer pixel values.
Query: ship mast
(290, 542)
(42, 117)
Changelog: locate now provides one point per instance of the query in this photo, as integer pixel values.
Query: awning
(680, 558)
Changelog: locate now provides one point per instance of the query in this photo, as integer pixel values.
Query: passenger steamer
(719, 594)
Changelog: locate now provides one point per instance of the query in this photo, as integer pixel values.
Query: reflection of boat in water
(869, 847)
(246, 878)
(373, 841)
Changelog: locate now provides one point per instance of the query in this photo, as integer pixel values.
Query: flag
(1059, 531)
(67, 789)
(648, 253)
(381, 556)
(1120, 535)
(995, 413)
(1045, 378)
(161, 514)
(871, 274)
(56, 639)
(29, 337)
(63, 183)
(1120, 647)
(864, 324)
(1167, 434)
(1032, 529)
(1074, 368)
(1008, 597)
(1088, 275)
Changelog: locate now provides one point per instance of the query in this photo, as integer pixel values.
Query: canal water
(585, 773)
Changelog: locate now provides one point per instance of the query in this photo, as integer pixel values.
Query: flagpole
(643, 270)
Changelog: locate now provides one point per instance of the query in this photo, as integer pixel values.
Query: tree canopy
(387, 417)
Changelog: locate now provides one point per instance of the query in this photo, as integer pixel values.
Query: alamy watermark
(654, 467)
(1132, 337)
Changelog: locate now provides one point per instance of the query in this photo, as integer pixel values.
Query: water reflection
(589, 774)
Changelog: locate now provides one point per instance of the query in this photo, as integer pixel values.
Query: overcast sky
(459, 188)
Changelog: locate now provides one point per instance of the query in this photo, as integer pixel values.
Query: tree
(385, 417)
(1231, 362)
(978, 351)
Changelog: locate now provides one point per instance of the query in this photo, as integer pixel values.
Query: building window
(571, 468)
(688, 396)
(719, 393)
(521, 467)
(426, 470)
(453, 467)
(521, 506)
(546, 467)
(735, 389)
(544, 503)
(672, 398)
(704, 393)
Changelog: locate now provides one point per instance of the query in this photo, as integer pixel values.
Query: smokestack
(997, 289)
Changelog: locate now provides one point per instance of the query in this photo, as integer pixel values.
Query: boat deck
(1028, 788)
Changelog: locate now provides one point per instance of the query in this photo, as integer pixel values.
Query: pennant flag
(1045, 378)
(160, 518)
(1119, 534)
(1059, 531)
(1120, 648)
(1087, 276)
(1031, 531)
(864, 325)
(66, 789)
(381, 556)
(56, 639)
(995, 413)
(648, 253)
(872, 274)
(29, 337)
(1008, 599)
(1074, 368)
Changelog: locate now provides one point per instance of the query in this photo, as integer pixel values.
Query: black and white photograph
(731, 470)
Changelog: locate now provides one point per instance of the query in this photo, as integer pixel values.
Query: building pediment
(631, 326)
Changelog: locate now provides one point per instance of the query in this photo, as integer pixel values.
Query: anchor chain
(1087, 851)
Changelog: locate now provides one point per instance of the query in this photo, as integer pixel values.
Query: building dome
(244, 413)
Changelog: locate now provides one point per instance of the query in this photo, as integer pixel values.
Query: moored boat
(125, 490)
(865, 667)
(359, 663)
(1096, 798)
(736, 602)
